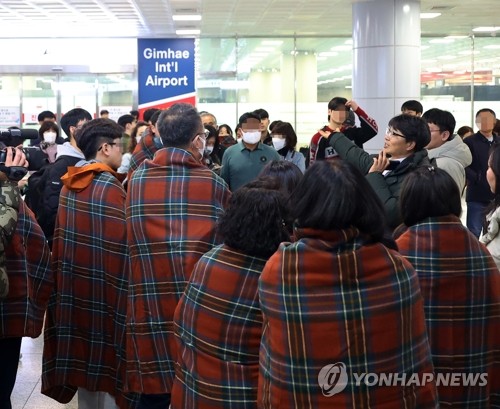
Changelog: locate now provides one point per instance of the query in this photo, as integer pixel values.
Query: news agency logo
(333, 379)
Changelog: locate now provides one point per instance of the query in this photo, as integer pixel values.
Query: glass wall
(293, 78)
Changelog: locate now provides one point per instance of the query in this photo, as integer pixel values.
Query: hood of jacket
(66, 149)
(454, 149)
(79, 177)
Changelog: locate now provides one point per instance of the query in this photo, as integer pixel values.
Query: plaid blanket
(460, 284)
(85, 323)
(218, 325)
(334, 298)
(31, 279)
(173, 203)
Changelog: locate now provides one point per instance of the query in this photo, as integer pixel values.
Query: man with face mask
(338, 121)
(172, 207)
(243, 162)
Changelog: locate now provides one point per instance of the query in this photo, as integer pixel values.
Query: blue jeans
(475, 217)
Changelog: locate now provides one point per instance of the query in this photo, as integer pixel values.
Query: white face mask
(278, 143)
(49, 137)
(137, 138)
(251, 137)
(202, 150)
(209, 149)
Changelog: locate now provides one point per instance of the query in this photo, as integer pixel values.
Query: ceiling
(318, 24)
(153, 18)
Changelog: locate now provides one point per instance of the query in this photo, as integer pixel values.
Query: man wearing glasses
(404, 150)
(85, 325)
(173, 202)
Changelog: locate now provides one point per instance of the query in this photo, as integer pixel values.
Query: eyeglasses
(205, 133)
(106, 143)
(390, 132)
(435, 130)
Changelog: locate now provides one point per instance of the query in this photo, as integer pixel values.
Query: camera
(14, 137)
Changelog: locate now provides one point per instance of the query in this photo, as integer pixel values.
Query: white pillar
(386, 58)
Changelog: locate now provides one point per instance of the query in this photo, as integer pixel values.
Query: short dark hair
(412, 105)
(335, 195)
(42, 116)
(338, 102)
(246, 116)
(103, 111)
(96, 132)
(486, 110)
(133, 141)
(134, 113)
(46, 126)
(148, 113)
(212, 133)
(286, 174)
(463, 130)
(228, 128)
(155, 116)
(286, 129)
(414, 129)
(125, 119)
(261, 113)
(426, 192)
(178, 125)
(255, 220)
(273, 124)
(72, 117)
(443, 119)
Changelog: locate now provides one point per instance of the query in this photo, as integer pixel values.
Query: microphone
(18, 133)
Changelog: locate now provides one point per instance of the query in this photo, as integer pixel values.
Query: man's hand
(324, 134)
(15, 166)
(18, 158)
(352, 104)
(379, 164)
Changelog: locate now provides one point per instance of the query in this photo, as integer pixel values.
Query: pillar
(386, 58)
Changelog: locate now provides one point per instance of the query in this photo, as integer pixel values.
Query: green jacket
(9, 206)
(387, 187)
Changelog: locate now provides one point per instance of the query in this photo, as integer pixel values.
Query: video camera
(15, 137)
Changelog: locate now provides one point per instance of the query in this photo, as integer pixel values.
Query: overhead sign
(165, 72)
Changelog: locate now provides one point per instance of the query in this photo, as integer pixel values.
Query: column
(386, 58)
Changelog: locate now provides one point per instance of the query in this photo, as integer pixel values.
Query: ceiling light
(446, 57)
(187, 32)
(186, 17)
(456, 37)
(429, 15)
(485, 29)
(469, 52)
(492, 47)
(266, 49)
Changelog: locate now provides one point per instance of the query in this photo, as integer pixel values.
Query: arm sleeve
(389, 199)
(353, 154)
(368, 129)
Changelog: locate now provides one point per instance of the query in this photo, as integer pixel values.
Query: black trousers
(9, 358)
(154, 401)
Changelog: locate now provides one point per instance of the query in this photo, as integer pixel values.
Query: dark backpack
(34, 189)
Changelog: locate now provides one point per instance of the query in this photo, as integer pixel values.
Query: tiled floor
(26, 394)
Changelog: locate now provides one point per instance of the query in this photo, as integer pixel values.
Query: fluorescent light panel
(186, 17)
(187, 32)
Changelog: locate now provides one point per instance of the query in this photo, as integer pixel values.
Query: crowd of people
(174, 263)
